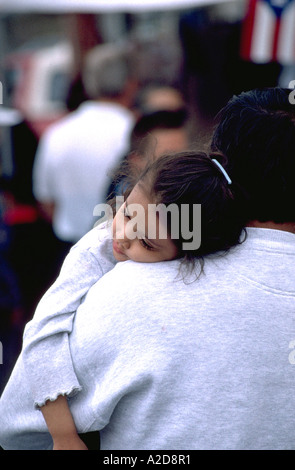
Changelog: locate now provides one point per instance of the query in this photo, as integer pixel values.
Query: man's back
(165, 364)
(74, 164)
(201, 365)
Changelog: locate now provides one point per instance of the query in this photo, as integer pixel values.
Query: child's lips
(116, 248)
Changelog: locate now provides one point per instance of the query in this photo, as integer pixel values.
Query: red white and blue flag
(268, 32)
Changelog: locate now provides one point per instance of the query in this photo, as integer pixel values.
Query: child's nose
(125, 243)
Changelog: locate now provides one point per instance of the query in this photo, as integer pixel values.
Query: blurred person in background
(26, 269)
(163, 125)
(27, 230)
(159, 97)
(154, 133)
(76, 155)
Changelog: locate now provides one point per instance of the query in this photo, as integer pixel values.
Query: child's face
(131, 240)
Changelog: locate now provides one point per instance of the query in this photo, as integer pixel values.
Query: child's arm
(46, 350)
(61, 425)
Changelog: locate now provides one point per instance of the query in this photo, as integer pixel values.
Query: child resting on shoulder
(182, 206)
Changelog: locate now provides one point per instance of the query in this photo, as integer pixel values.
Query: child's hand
(72, 442)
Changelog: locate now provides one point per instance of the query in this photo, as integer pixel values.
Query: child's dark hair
(193, 178)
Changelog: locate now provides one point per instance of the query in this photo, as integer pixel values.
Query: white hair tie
(222, 170)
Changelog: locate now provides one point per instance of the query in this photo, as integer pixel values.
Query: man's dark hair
(256, 132)
(155, 120)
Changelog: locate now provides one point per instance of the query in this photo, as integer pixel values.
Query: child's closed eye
(145, 244)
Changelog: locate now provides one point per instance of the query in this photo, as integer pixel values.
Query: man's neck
(286, 227)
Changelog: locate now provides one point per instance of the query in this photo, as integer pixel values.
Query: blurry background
(201, 48)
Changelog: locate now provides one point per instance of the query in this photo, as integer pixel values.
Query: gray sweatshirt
(166, 363)
(46, 354)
